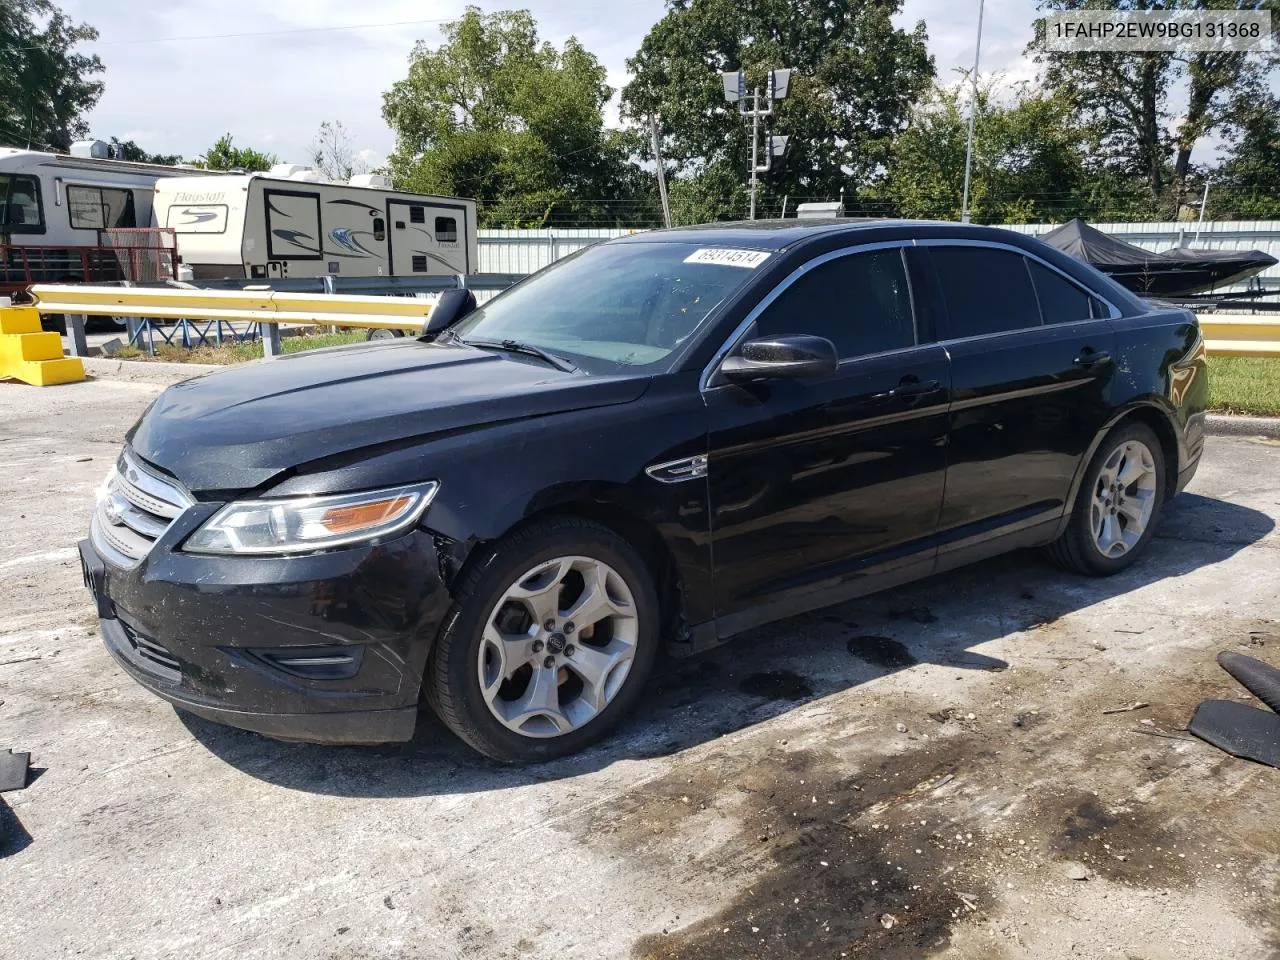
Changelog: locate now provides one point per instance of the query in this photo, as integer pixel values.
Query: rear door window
(985, 290)
(859, 302)
(1061, 301)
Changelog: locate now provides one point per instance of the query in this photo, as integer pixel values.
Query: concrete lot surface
(923, 773)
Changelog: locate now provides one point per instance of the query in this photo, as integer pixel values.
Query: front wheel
(549, 644)
(1118, 506)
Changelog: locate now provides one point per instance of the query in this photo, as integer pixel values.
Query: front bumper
(328, 648)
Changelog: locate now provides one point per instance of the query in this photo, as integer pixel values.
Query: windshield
(616, 307)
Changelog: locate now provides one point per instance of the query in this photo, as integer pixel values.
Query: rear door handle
(1091, 358)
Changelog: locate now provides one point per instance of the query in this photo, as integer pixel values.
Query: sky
(181, 73)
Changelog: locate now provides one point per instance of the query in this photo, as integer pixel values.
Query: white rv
(288, 224)
(53, 208)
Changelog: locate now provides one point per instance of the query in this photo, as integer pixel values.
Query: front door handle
(908, 389)
(916, 388)
(1091, 358)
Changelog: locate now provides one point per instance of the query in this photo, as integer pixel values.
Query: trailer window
(417, 215)
(100, 208)
(20, 207)
(446, 230)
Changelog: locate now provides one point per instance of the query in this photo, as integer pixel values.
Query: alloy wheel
(1124, 497)
(557, 646)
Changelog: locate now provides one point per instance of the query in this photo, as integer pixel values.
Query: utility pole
(735, 92)
(973, 110)
(755, 144)
(1204, 200)
(662, 170)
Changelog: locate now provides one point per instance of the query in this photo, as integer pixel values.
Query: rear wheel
(549, 644)
(1118, 506)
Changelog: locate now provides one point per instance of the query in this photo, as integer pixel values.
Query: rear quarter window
(1061, 301)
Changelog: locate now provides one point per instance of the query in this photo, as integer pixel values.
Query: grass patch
(240, 352)
(1245, 385)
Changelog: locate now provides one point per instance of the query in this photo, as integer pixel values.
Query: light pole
(735, 91)
(973, 110)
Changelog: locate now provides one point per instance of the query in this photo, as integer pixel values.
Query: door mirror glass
(794, 356)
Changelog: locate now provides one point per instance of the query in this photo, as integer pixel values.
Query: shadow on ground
(13, 835)
(768, 671)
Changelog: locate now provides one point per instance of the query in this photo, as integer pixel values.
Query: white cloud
(271, 90)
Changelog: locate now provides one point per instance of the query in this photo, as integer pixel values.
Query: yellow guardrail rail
(258, 306)
(32, 355)
(1240, 335)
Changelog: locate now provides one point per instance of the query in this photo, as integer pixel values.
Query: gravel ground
(929, 772)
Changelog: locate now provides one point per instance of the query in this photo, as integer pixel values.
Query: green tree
(496, 114)
(856, 77)
(1027, 158)
(1247, 184)
(128, 150)
(46, 87)
(225, 155)
(1138, 130)
(333, 153)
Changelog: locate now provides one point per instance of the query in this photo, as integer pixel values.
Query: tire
(491, 654)
(1084, 546)
(383, 334)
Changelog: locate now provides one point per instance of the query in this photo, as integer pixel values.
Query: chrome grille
(135, 508)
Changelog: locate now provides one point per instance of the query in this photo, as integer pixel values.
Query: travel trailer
(287, 223)
(54, 209)
(85, 217)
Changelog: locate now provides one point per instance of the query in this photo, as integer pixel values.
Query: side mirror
(452, 306)
(799, 355)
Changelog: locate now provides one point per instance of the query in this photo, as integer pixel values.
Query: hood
(238, 428)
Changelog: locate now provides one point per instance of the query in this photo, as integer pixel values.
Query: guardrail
(1227, 335)
(394, 303)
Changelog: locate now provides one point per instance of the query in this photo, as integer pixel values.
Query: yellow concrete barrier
(31, 354)
(258, 306)
(1240, 335)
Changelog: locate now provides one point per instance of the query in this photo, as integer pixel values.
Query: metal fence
(524, 251)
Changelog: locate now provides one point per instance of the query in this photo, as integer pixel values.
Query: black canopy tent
(1172, 273)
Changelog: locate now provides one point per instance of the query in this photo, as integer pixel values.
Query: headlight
(306, 524)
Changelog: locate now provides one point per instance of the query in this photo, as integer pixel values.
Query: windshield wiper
(516, 346)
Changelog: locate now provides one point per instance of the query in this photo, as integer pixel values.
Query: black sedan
(671, 437)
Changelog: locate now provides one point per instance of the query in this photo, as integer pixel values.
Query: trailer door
(427, 238)
(293, 224)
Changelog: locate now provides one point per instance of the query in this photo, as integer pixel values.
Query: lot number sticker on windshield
(728, 258)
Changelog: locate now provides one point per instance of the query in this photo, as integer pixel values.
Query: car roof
(780, 234)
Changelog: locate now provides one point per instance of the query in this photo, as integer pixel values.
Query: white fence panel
(524, 251)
